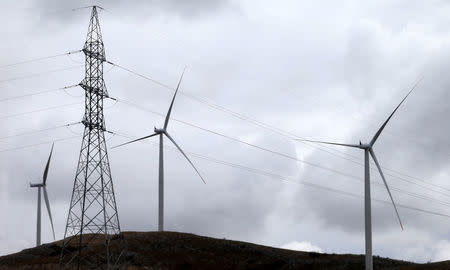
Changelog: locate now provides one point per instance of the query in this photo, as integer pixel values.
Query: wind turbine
(163, 132)
(43, 185)
(368, 150)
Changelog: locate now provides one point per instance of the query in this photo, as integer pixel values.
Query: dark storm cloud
(137, 8)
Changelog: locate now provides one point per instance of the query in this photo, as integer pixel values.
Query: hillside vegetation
(172, 250)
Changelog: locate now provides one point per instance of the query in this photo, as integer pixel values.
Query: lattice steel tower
(92, 220)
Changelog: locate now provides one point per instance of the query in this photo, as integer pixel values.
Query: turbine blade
(47, 166)
(375, 137)
(47, 203)
(166, 121)
(372, 153)
(332, 143)
(182, 152)
(143, 138)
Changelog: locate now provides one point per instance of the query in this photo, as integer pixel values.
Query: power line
(129, 103)
(141, 75)
(39, 110)
(289, 179)
(279, 131)
(210, 131)
(37, 93)
(233, 139)
(215, 106)
(39, 59)
(39, 74)
(307, 162)
(420, 196)
(276, 152)
(251, 170)
(38, 131)
(37, 144)
(229, 164)
(411, 194)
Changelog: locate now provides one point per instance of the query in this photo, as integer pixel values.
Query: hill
(172, 250)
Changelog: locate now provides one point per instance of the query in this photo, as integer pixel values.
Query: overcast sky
(318, 69)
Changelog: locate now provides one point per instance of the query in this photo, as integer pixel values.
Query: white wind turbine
(161, 132)
(43, 185)
(368, 150)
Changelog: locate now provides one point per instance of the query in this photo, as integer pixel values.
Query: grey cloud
(135, 8)
(322, 73)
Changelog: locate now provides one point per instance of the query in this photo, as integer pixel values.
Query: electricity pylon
(92, 220)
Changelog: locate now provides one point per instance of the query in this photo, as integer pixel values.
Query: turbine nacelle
(364, 145)
(160, 130)
(37, 185)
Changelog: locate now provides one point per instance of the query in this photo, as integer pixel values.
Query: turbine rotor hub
(159, 130)
(364, 145)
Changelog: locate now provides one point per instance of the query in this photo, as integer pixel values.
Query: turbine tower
(163, 132)
(368, 151)
(43, 185)
(92, 216)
